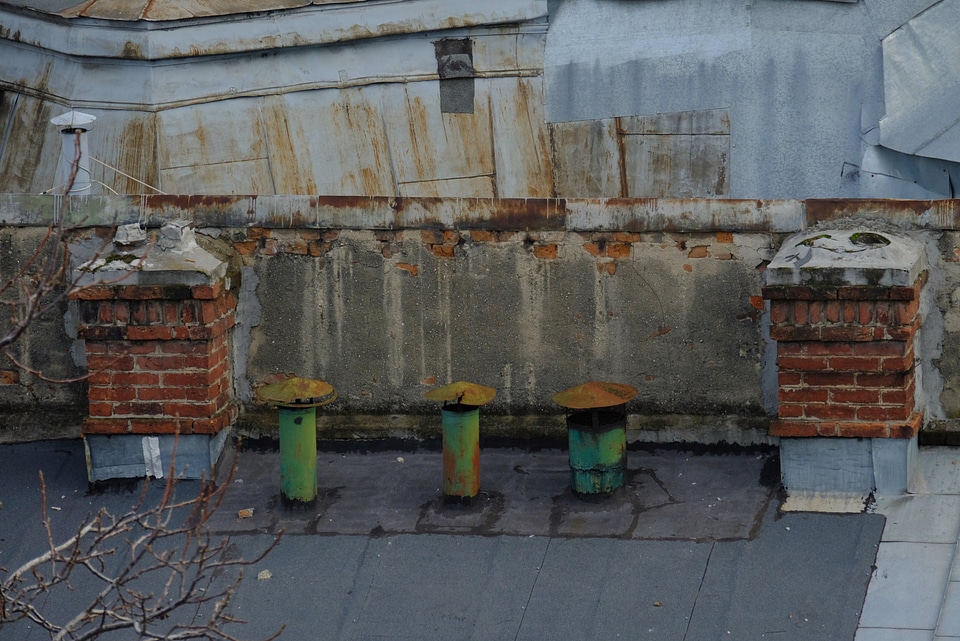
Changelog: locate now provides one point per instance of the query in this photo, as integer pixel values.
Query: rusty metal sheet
(683, 214)
(428, 145)
(211, 133)
(272, 28)
(471, 187)
(372, 212)
(214, 148)
(676, 155)
(204, 210)
(126, 141)
(522, 148)
(287, 211)
(462, 392)
(595, 394)
(178, 9)
(29, 146)
(244, 177)
(181, 9)
(541, 214)
(329, 142)
(39, 71)
(531, 43)
(676, 166)
(296, 391)
(291, 163)
(108, 9)
(271, 25)
(534, 214)
(691, 123)
(586, 159)
(493, 52)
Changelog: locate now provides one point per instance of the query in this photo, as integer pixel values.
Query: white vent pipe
(74, 125)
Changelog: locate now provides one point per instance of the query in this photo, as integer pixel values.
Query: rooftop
(692, 548)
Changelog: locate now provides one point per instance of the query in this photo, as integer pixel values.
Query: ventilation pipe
(73, 127)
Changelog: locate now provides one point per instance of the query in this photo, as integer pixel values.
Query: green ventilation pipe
(297, 400)
(597, 435)
(461, 437)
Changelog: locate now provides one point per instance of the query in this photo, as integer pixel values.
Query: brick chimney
(844, 312)
(156, 324)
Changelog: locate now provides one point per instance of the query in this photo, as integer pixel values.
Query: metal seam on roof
(309, 25)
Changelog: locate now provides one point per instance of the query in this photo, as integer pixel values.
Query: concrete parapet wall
(529, 303)
(386, 316)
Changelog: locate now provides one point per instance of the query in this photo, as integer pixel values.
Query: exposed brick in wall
(846, 360)
(158, 358)
(303, 242)
(607, 247)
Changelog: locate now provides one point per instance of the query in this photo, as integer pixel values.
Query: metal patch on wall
(676, 155)
(455, 68)
(670, 155)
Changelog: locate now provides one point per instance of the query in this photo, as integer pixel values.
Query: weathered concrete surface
(530, 300)
(383, 331)
(946, 352)
(30, 407)
(847, 257)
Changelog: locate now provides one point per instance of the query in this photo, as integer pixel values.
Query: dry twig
(43, 281)
(156, 571)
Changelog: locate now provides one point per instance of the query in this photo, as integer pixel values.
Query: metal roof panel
(921, 73)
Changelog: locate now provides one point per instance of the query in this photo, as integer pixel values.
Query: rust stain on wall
(292, 173)
(521, 142)
(424, 163)
(361, 148)
(942, 213)
(133, 156)
(23, 168)
(586, 159)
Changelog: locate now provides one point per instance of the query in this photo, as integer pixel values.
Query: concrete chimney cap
(847, 257)
(74, 120)
(177, 236)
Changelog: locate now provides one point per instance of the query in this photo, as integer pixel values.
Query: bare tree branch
(152, 567)
(155, 570)
(43, 281)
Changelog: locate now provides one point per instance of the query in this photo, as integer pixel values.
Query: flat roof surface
(692, 548)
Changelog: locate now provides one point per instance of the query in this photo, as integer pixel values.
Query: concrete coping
(847, 257)
(174, 259)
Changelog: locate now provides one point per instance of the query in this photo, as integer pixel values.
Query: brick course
(158, 358)
(846, 360)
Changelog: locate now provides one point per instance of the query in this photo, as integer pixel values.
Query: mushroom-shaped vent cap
(297, 392)
(462, 392)
(595, 394)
